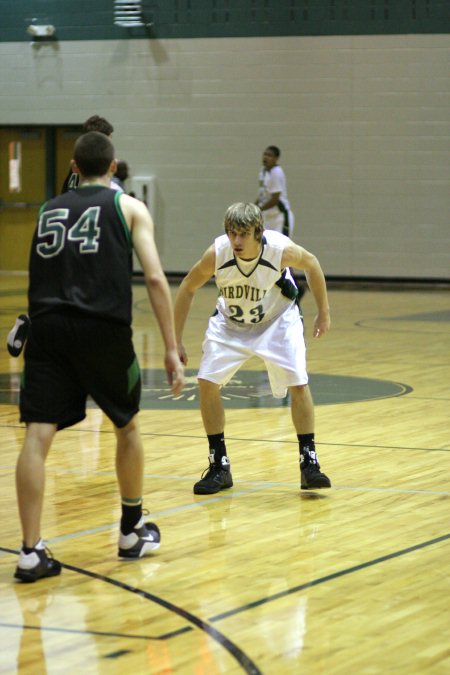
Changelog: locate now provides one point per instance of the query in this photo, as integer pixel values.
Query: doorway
(34, 161)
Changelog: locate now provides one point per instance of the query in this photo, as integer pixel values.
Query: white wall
(362, 122)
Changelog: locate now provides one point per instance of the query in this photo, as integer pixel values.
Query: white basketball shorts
(279, 343)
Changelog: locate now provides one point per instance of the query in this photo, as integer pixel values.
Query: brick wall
(362, 123)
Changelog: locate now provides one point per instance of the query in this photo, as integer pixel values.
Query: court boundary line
(148, 434)
(253, 486)
(75, 631)
(330, 577)
(235, 651)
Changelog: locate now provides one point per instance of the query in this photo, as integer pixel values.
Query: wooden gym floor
(261, 578)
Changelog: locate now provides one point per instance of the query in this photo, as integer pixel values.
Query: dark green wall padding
(94, 19)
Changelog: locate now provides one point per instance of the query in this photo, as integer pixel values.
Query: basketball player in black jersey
(80, 341)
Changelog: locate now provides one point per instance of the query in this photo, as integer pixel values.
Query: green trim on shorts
(134, 373)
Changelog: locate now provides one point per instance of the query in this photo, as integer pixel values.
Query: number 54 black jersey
(81, 256)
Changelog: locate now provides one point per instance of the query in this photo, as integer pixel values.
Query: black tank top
(81, 256)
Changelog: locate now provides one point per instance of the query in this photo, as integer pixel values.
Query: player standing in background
(272, 195)
(93, 123)
(121, 175)
(80, 341)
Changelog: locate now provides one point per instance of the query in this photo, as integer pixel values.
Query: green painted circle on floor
(251, 389)
(247, 389)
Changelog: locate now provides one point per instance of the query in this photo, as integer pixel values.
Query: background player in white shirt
(272, 194)
(257, 314)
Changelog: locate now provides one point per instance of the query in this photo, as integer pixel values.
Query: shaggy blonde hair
(242, 216)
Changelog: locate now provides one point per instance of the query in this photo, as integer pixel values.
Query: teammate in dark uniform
(80, 341)
(19, 332)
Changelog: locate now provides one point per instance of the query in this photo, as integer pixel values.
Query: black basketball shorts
(70, 356)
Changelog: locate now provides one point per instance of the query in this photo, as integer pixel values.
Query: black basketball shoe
(310, 473)
(144, 538)
(215, 478)
(37, 564)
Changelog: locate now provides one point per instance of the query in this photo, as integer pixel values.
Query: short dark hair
(273, 148)
(96, 123)
(122, 170)
(93, 154)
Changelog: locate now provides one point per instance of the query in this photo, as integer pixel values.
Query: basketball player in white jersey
(272, 194)
(257, 314)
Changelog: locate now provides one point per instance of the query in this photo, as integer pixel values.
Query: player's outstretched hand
(182, 354)
(175, 371)
(322, 324)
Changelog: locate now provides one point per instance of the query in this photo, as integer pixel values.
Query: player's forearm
(183, 302)
(160, 298)
(195, 279)
(317, 284)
